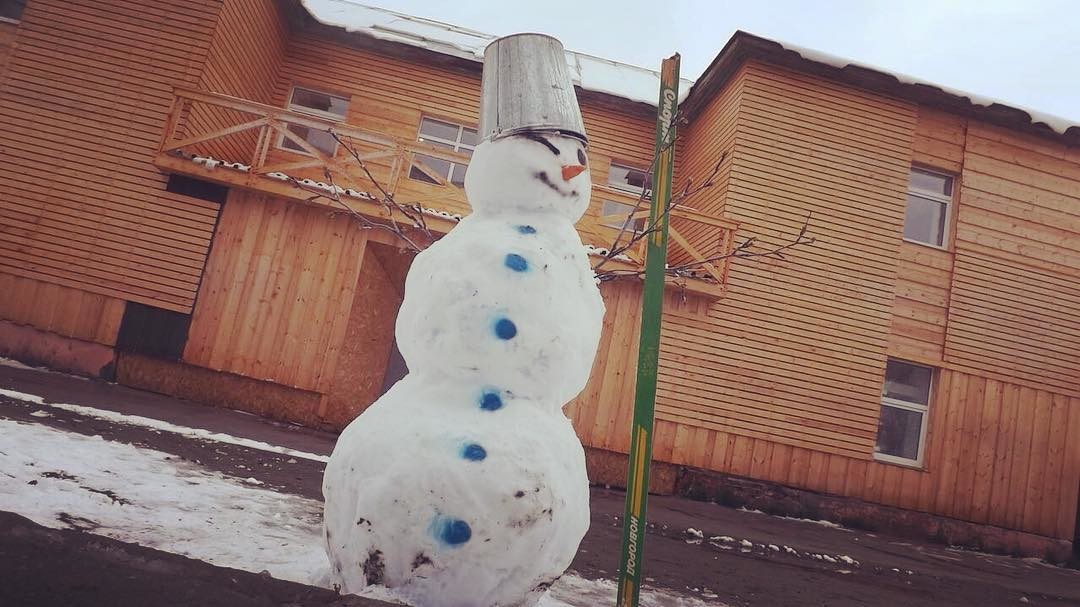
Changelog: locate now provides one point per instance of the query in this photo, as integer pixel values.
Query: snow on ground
(163, 426)
(147, 497)
(66, 480)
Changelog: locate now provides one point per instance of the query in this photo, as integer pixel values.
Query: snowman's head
(541, 172)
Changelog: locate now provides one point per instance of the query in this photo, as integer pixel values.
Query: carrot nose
(571, 171)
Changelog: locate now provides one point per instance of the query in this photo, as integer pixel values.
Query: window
(929, 195)
(446, 135)
(11, 10)
(629, 179)
(905, 399)
(323, 105)
(613, 215)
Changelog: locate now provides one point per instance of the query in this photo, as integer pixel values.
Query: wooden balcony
(239, 143)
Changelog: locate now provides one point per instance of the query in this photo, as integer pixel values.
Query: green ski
(637, 481)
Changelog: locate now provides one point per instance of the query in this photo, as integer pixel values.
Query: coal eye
(581, 157)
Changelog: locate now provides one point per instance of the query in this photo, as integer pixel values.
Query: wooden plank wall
(8, 31)
(795, 351)
(278, 288)
(997, 453)
(61, 310)
(924, 274)
(704, 142)
(245, 55)
(602, 412)
(390, 94)
(84, 103)
(1016, 290)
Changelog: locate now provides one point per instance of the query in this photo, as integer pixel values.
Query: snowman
(464, 485)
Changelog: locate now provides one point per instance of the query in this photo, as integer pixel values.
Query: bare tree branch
(741, 251)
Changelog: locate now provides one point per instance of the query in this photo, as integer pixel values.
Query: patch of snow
(595, 251)
(823, 523)
(41, 413)
(30, 398)
(157, 424)
(589, 72)
(1056, 123)
(147, 497)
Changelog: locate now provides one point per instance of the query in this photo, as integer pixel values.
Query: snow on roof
(590, 73)
(1056, 123)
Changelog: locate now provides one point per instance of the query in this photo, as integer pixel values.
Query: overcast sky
(1023, 52)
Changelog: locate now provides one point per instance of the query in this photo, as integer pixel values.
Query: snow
(1056, 123)
(589, 72)
(499, 327)
(150, 498)
(164, 426)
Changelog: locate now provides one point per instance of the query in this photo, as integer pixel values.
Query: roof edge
(743, 46)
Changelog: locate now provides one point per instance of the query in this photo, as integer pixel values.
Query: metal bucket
(527, 87)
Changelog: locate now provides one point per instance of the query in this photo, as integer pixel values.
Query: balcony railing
(239, 142)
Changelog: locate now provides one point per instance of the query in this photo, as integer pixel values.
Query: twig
(740, 251)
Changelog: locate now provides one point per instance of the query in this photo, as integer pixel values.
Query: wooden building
(168, 219)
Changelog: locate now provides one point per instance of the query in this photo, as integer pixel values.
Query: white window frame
(910, 406)
(14, 20)
(936, 197)
(302, 109)
(622, 187)
(457, 146)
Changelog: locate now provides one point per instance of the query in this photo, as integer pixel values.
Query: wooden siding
(8, 32)
(709, 140)
(602, 412)
(998, 453)
(84, 101)
(1016, 289)
(390, 95)
(61, 310)
(245, 55)
(795, 351)
(279, 285)
(924, 274)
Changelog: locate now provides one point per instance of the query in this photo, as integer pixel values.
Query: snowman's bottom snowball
(451, 504)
